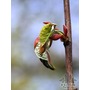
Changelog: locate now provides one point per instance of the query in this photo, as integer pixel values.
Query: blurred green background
(27, 72)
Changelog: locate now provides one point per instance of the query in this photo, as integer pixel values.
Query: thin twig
(68, 48)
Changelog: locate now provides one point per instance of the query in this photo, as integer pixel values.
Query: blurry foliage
(19, 85)
(28, 73)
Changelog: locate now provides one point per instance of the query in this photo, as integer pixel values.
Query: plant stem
(68, 48)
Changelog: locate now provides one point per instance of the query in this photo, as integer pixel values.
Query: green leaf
(45, 33)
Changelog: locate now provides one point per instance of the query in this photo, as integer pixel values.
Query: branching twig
(68, 48)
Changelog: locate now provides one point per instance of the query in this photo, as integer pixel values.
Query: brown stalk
(68, 47)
